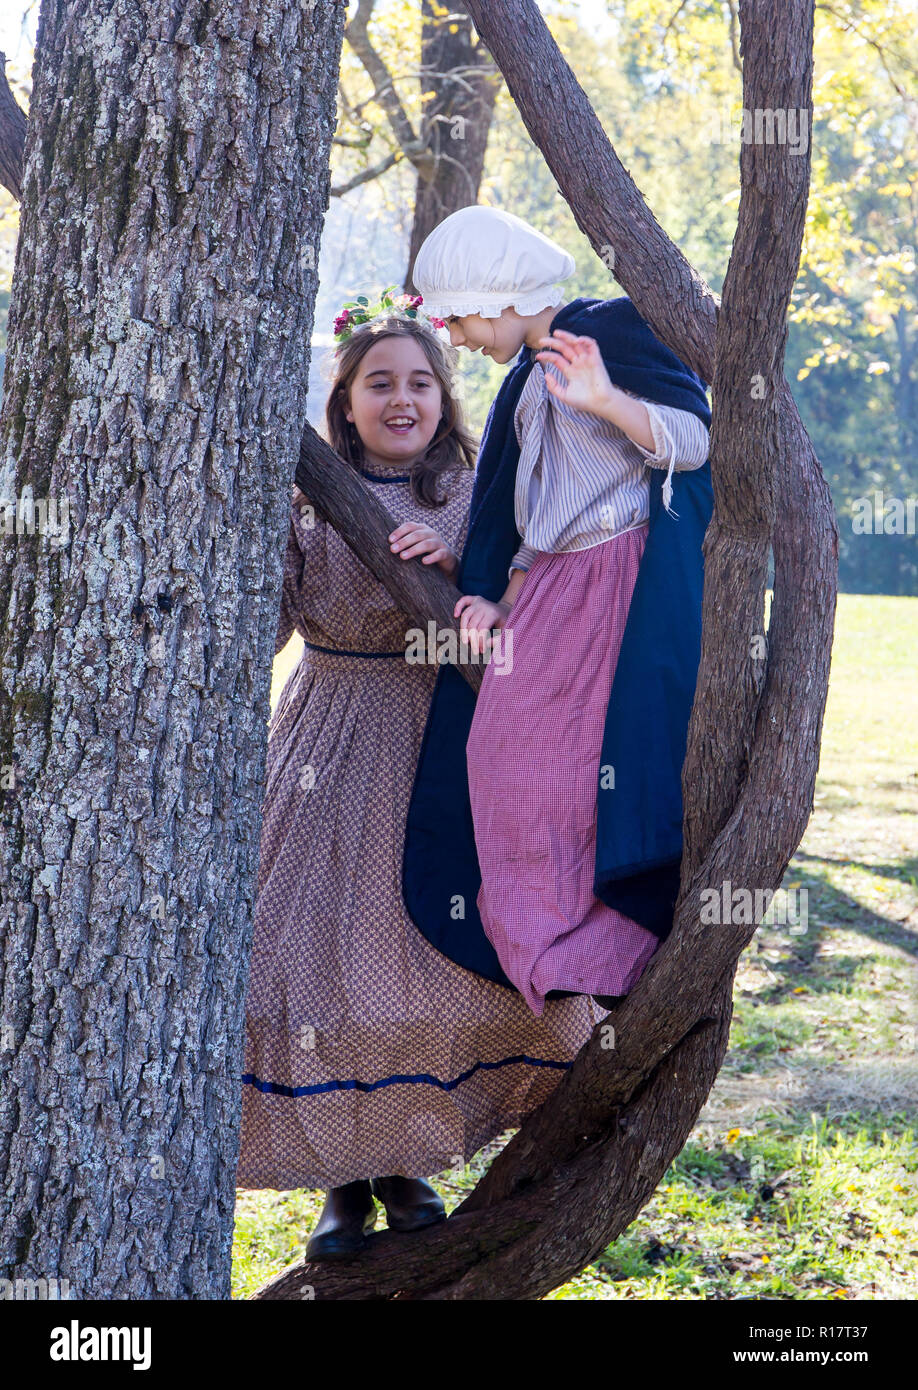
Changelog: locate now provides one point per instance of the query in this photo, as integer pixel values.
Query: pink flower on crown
(354, 315)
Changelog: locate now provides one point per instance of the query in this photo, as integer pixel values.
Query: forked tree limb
(757, 440)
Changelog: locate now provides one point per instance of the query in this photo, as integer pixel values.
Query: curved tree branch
(587, 1161)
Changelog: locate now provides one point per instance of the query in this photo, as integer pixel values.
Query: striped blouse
(581, 479)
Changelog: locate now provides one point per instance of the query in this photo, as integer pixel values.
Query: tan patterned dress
(368, 1052)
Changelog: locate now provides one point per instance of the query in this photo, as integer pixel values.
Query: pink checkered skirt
(533, 760)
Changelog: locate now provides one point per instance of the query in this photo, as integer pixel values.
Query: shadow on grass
(834, 910)
(905, 871)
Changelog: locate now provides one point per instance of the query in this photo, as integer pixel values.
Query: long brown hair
(453, 446)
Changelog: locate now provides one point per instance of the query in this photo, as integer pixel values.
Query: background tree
(460, 78)
(174, 187)
(447, 137)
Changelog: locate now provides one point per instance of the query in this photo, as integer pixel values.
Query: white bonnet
(481, 260)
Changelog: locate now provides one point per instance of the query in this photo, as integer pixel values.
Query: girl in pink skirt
(582, 504)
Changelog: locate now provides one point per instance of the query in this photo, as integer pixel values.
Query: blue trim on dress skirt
(275, 1088)
(342, 651)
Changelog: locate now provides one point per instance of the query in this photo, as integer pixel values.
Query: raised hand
(587, 385)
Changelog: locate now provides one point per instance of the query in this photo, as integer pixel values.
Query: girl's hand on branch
(587, 385)
(413, 541)
(477, 616)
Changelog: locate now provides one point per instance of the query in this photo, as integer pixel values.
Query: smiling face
(395, 402)
(499, 339)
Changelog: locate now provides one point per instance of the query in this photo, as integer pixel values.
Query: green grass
(799, 1180)
(796, 1209)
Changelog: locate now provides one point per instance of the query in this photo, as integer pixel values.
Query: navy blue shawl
(639, 819)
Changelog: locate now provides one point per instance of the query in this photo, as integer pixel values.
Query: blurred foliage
(852, 355)
(665, 81)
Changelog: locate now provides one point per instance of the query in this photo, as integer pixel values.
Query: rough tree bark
(174, 189)
(580, 1170)
(423, 593)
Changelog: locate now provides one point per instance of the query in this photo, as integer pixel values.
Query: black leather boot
(348, 1217)
(411, 1203)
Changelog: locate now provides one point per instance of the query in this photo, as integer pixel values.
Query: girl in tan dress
(372, 1060)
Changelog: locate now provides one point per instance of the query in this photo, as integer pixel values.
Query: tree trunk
(581, 1168)
(174, 190)
(457, 120)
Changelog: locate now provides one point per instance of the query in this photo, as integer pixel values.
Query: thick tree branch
(684, 971)
(606, 203)
(344, 500)
(12, 136)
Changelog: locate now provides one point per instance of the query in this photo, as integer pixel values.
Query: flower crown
(357, 312)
